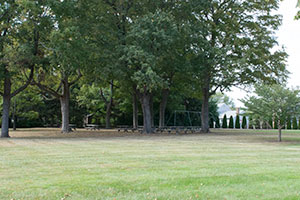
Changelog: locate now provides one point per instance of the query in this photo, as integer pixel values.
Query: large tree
(150, 38)
(67, 53)
(23, 24)
(233, 44)
(273, 102)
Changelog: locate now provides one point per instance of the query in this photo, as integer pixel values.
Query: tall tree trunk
(64, 104)
(152, 111)
(108, 116)
(162, 107)
(135, 120)
(205, 109)
(145, 100)
(14, 116)
(6, 105)
(5, 117)
(109, 105)
(279, 130)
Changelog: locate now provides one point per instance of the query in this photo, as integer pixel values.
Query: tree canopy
(274, 102)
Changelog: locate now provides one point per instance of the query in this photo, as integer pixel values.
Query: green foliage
(270, 124)
(211, 123)
(150, 38)
(274, 100)
(289, 123)
(223, 98)
(237, 122)
(244, 122)
(224, 122)
(295, 125)
(231, 123)
(217, 122)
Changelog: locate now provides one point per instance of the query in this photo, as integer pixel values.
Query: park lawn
(225, 164)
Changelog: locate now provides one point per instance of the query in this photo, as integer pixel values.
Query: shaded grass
(227, 164)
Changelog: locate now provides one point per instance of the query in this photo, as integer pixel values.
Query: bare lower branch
(46, 89)
(20, 89)
(103, 97)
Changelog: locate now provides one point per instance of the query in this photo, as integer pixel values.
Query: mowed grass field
(225, 164)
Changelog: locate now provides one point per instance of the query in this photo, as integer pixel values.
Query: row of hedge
(290, 123)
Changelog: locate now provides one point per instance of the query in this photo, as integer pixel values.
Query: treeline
(115, 57)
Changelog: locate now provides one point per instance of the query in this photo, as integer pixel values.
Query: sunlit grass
(225, 164)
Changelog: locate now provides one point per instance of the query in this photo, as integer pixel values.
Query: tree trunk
(64, 104)
(14, 116)
(145, 100)
(279, 135)
(162, 107)
(279, 130)
(152, 111)
(108, 116)
(205, 109)
(6, 105)
(135, 120)
(5, 117)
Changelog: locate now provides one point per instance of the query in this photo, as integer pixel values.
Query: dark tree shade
(295, 125)
(270, 124)
(231, 122)
(217, 123)
(275, 124)
(237, 122)
(224, 124)
(244, 123)
(289, 123)
(211, 123)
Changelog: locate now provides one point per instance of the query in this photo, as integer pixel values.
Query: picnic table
(92, 127)
(72, 127)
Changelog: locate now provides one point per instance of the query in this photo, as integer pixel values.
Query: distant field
(225, 164)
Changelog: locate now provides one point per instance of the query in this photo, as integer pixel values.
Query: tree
(298, 14)
(237, 122)
(231, 123)
(244, 123)
(149, 38)
(224, 123)
(67, 52)
(233, 44)
(223, 98)
(24, 25)
(217, 122)
(273, 101)
(295, 125)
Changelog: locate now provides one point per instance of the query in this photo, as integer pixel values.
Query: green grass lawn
(220, 165)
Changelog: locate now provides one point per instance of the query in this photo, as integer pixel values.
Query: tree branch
(20, 89)
(78, 77)
(47, 89)
(103, 97)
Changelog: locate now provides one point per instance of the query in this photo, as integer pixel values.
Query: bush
(217, 123)
(231, 122)
(224, 124)
(244, 122)
(237, 122)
